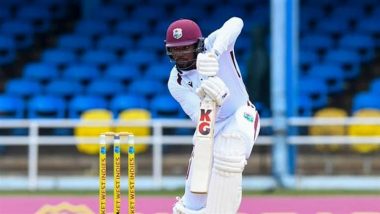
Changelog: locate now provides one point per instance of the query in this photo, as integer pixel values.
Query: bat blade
(203, 149)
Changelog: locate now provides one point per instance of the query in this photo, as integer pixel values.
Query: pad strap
(226, 165)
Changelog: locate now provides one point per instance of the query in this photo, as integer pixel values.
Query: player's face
(184, 56)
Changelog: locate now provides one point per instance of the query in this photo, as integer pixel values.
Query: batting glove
(207, 64)
(215, 88)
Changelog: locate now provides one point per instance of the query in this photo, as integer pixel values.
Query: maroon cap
(182, 32)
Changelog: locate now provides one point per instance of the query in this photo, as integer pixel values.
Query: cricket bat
(203, 149)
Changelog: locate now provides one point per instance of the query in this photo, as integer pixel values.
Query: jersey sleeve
(184, 95)
(225, 37)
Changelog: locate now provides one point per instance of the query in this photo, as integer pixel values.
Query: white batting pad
(225, 189)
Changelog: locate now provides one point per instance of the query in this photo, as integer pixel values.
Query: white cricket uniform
(236, 113)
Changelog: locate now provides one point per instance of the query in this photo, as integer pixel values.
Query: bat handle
(207, 99)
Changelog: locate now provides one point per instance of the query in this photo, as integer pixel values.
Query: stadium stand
(7, 50)
(123, 44)
(41, 72)
(23, 87)
(46, 106)
(83, 73)
(139, 86)
(22, 32)
(164, 106)
(365, 100)
(64, 88)
(11, 106)
(76, 43)
(126, 101)
(125, 73)
(105, 88)
(82, 103)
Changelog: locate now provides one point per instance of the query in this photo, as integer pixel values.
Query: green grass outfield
(279, 192)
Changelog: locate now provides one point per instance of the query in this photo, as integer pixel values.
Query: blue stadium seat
(361, 4)
(162, 25)
(165, 106)
(111, 13)
(365, 100)
(160, 3)
(262, 14)
(348, 12)
(370, 26)
(105, 88)
(22, 32)
(7, 50)
(118, 44)
(123, 3)
(100, 58)
(59, 57)
(317, 42)
(305, 106)
(92, 28)
(159, 71)
(322, 4)
(42, 72)
(13, 5)
(375, 86)
(361, 43)
(376, 10)
(46, 106)
(64, 88)
(332, 74)
(58, 9)
(333, 27)
(11, 106)
(82, 103)
(348, 60)
(122, 72)
(5, 14)
(208, 26)
(82, 73)
(309, 16)
(140, 58)
(307, 59)
(37, 15)
(76, 43)
(187, 12)
(225, 11)
(147, 88)
(243, 45)
(132, 27)
(22, 87)
(152, 42)
(125, 101)
(149, 12)
(316, 89)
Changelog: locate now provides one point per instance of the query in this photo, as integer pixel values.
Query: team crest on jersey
(248, 117)
(177, 33)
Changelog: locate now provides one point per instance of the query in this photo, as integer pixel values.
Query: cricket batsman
(208, 67)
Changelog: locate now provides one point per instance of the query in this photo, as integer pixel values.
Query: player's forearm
(228, 34)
